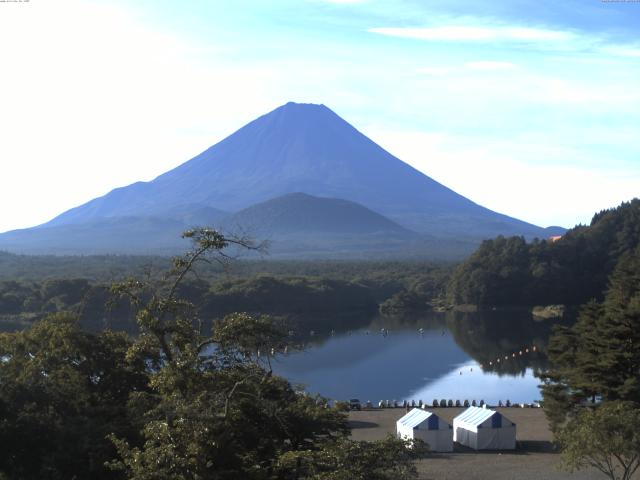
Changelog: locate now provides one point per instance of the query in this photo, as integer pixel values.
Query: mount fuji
(298, 174)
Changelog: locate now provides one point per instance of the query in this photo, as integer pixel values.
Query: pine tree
(600, 354)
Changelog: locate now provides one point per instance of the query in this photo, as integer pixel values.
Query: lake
(439, 355)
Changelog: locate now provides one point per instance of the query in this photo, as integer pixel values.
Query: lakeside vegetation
(84, 398)
(592, 388)
(175, 402)
(290, 289)
(503, 273)
(570, 271)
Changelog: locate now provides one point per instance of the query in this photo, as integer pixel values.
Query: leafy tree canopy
(179, 401)
(572, 270)
(606, 438)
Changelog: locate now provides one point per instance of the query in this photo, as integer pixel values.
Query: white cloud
(480, 65)
(92, 100)
(489, 65)
(557, 90)
(475, 33)
(340, 2)
(434, 71)
(622, 50)
(504, 176)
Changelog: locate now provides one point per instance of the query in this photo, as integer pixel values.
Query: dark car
(354, 404)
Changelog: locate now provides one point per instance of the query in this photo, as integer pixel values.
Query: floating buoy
(498, 361)
(490, 363)
(526, 350)
(514, 355)
(533, 348)
(520, 352)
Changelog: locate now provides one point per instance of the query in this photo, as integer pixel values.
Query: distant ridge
(302, 213)
(303, 148)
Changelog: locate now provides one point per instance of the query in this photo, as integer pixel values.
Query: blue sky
(530, 108)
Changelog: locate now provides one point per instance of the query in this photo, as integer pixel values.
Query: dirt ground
(534, 458)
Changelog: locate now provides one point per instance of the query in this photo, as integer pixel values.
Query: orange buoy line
(385, 332)
(513, 355)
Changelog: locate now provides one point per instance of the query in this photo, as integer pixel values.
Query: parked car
(354, 404)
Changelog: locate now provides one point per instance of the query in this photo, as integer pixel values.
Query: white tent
(484, 429)
(428, 427)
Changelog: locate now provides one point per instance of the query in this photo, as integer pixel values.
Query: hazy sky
(528, 107)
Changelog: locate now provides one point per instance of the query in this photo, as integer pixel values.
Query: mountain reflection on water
(437, 355)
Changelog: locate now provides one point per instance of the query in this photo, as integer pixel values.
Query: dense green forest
(592, 389)
(570, 271)
(176, 401)
(342, 288)
(110, 268)
(502, 272)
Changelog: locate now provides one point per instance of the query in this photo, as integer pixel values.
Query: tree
(215, 409)
(606, 438)
(62, 392)
(510, 271)
(599, 355)
(390, 458)
(178, 401)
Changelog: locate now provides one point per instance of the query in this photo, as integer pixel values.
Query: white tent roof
(422, 425)
(475, 416)
(414, 418)
(423, 420)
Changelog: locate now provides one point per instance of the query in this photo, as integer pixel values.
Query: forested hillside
(325, 289)
(571, 270)
(109, 268)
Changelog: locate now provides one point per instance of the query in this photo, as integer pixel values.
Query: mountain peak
(292, 114)
(305, 147)
(304, 106)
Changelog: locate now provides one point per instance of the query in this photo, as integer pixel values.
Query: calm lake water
(436, 356)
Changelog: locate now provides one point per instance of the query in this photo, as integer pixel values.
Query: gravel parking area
(534, 458)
